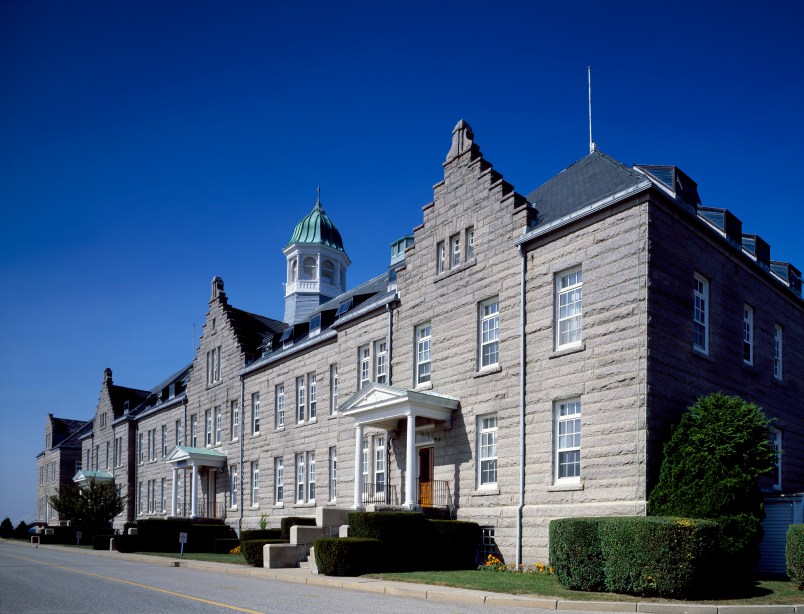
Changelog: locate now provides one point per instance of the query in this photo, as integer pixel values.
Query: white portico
(185, 458)
(383, 407)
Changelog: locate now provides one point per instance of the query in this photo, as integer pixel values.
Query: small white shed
(780, 513)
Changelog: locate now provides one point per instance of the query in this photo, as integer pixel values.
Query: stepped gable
(583, 183)
(252, 330)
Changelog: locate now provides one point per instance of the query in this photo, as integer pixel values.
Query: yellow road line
(150, 588)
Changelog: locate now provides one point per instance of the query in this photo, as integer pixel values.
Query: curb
(439, 593)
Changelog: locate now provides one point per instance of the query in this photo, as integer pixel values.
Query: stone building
(521, 358)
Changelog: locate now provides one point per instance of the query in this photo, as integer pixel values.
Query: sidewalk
(444, 593)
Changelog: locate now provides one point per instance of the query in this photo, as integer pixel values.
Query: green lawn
(762, 592)
(210, 557)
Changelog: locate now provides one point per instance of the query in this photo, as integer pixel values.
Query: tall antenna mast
(591, 142)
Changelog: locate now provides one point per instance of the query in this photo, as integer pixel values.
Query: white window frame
(312, 396)
(748, 334)
(279, 480)
(700, 313)
(233, 485)
(311, 476)
(381, 361)
(139, 497)
(470, 243)
(108, 455)
(218, 424)
(455, 250)
(380, 468)
(487, 439)
(255, 483)
(333, 473)
(776, 434)
(255, 413)
(163, 498)
(422, 369)
(567, 436)
(489, 333)
(778, 352)
(179, 433)
(279, 395)
(234, 417)
(363, 366)
(140, 448)
(333, 387)
(441, 257)
(300, 474)
(208, 427)
(569, 308)
(164, 440)
(301, 399)
(194, 431)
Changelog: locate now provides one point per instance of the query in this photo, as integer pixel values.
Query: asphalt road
(56, 581)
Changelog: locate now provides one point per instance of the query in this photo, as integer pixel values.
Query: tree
(90, 506)
(21, 532)
(711, 468)
(6, 528)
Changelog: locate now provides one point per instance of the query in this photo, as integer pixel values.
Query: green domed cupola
(317, 265)
(316, 227)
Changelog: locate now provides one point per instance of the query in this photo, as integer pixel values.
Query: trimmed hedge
(261, 534)
(162, 534)
(575, 553)
(127, 543)
(665, 557)
(251, 550)
(202, 537)
(290, 521)
(401, 534)
(347, 556)
(101, 542)
(454, 544)
(226, 545)
(794, 553)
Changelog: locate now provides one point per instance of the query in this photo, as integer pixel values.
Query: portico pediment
(182, 456)
(84, 475)
(383, 406)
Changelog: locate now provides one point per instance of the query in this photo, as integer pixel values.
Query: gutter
(522, 270)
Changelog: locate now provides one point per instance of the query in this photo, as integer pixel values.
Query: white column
(175, 505)
(410, 464)
(358, 467)
(194, 491)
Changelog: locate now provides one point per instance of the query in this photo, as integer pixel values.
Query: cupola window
(310, 268)
(328, 272)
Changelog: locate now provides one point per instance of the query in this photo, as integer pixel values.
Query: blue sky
(147, 146)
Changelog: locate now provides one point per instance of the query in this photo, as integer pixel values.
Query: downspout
(240, 460)
(390, 311)
(520, 507)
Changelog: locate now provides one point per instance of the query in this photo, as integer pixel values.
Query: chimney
(107, 376)
(217, 289)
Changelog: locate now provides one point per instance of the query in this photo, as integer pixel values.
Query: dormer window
(125, 406)
(315, 325)
(172, 391)
(344, 307)
(287, 338)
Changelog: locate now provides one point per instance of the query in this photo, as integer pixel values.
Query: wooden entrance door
(426, 477)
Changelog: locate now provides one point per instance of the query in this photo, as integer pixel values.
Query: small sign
(182, 538)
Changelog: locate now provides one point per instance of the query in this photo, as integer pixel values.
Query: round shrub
(347, 556)
(794, 553)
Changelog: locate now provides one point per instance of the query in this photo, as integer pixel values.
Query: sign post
(182, 541)
(78, 538)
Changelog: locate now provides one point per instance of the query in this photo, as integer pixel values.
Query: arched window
(310, 268)
(328, 272)
(292, 271)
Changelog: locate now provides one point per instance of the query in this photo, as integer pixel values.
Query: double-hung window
(489, 333)
(255, 483)
(441, 257)
(233, 483)
(487, 450)
(568, 440)
(777, 352)
(179, 433)
(364, 366)
(333, 473)
(422, 354)
(214, 366)
(300, 469)
(208, 427)
(164, 440)
(310, 477)
(312, 393)
(218, 424)
(280, 405)
(748, 334)
(776, 434)
(235, 420)
(333, 389)
(255, 413)
(379, 465)
(301, 399)
(381, 362)
(140, 449)
(163, 495)
(470, 243)
(700, 316)
(569, 304)
(279, 480)
(454, 251)
(194, 431)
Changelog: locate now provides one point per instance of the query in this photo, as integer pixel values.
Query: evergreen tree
(711, 468)
(6, 528)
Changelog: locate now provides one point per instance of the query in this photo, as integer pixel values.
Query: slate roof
(253, 330)
(585, 182)
(68, 432)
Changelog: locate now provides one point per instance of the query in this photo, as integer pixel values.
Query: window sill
(280, 429)
(333, 416)
(565, 486)
(701, 354)
(424, 386)
(309, 504)
(488, 371)
(233, 508)
(564, 351)
(256, 506)
(485, 492)
(779, 382)
(748, 365)
(279, 505)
